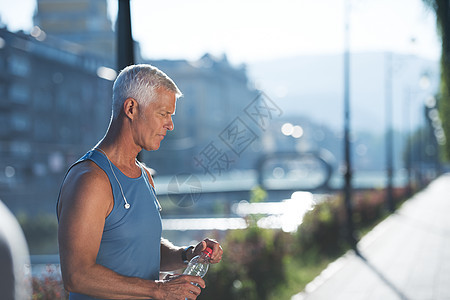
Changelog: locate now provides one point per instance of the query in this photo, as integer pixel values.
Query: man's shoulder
(85, 182)
(86, 170)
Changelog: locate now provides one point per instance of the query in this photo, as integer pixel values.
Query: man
(109, 223)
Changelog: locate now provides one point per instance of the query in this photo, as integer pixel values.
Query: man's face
(155, 119)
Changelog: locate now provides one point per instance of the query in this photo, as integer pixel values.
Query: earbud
(126, 205)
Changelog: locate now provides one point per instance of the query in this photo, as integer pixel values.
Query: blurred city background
(260, 134)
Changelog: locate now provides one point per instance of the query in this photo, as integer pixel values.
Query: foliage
(369, 207)
(252, 269)
(257, 194)
(48, 287)
(444, 109)
(442, 10)
(321, 229)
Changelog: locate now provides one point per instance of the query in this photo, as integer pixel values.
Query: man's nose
(169, 124)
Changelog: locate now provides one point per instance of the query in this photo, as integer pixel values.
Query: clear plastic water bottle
(198, 265)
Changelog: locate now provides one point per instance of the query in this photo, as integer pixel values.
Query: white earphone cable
(127, 205)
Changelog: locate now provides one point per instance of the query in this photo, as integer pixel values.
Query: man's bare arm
(171, 256)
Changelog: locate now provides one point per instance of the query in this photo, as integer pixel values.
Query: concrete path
(407, 256)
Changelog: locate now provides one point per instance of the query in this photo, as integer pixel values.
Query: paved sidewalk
(407, 256)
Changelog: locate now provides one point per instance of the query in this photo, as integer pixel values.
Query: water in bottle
(198, 265)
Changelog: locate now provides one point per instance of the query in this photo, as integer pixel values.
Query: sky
(259, 30)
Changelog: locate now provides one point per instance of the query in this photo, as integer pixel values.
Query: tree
(442, 10)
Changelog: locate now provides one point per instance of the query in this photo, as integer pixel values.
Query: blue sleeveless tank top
(131, 240)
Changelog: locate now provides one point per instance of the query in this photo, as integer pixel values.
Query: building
(84, 22)
(53, 107)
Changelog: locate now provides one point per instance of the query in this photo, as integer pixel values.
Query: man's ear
(130, 107)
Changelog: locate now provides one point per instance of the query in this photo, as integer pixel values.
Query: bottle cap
(207, 251)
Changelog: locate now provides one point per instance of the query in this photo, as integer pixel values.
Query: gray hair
(140, 82)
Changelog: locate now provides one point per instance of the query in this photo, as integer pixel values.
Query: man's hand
(217, 250)
(175, 287)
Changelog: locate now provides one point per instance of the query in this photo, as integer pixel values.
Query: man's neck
(119, 146)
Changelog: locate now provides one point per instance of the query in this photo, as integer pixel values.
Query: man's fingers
(217, 250)
(185, 286)
(195, 280)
